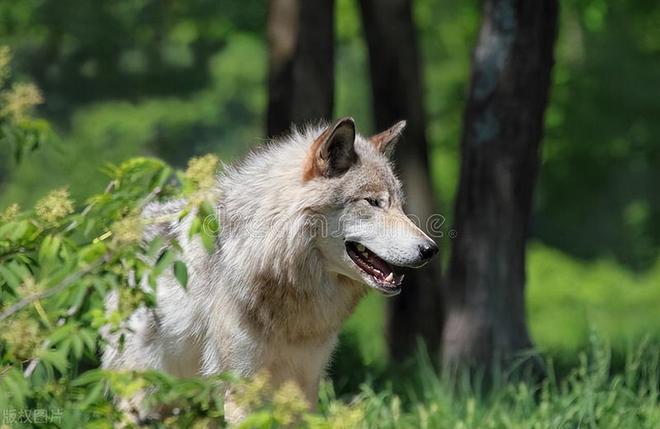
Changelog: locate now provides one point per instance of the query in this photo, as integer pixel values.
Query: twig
(87, 209)
(67, 281)
(34, 362)
(146, 200)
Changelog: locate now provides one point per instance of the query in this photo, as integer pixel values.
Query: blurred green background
(179, 78)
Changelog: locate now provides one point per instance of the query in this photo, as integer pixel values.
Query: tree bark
(502, 131)
(301, 63)
(396, 80)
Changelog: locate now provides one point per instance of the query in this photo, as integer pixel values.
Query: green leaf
(181, 273)
(195, 227)
(7, 229)
(17, 386)
(55, 358)
(154, 246)
(260, 419)
(209, 241)
(61, 333)
(9, 277)
(92, 252)
(89, 377)
(160, 178)
(19, 230)
(77, 345)
(164, 260)
(92, 395)
(89, 338)
(78, 295)
(49, 248)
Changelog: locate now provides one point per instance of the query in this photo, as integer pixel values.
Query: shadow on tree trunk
(396, 81)
(301, 63)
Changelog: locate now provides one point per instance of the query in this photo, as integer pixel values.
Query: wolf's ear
(333, 152)
(386, 140)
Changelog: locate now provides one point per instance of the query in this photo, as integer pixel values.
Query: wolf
(309, 223)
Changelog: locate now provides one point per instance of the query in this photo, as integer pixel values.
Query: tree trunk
(503, 126)
(396, 80)
(301, 63)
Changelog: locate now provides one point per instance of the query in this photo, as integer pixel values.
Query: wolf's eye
(374, 202)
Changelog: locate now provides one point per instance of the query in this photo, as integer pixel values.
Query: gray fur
(275, 292)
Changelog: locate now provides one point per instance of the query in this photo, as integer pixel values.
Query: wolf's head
(368, 237)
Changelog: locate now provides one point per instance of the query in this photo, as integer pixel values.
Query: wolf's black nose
(428, 250)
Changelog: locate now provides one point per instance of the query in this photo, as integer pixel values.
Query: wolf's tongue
(379, 264)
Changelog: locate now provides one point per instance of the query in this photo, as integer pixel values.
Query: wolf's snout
(428, 250)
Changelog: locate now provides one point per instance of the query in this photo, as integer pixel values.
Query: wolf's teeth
(361, 248)
(390, 277)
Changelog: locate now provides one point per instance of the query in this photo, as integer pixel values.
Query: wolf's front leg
(234, 406)
(229, 352)
(235, 411)
(302, 364)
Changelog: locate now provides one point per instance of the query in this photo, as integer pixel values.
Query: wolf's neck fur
(266, 211)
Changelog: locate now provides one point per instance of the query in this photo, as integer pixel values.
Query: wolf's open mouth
(382, 272)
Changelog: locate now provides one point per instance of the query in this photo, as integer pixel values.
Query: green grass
(593, 395)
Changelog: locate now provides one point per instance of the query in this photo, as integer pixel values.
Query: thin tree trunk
(301, 62)
(396, 80)
(503, 126)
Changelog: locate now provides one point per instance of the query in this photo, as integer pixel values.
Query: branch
(65, 283)
(70, 279)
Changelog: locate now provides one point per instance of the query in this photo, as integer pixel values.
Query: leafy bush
(58, 264)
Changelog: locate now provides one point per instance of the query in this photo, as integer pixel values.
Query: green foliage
(567, 298)
(82, 52)
(224, 117)
(601, 162)
(60, 261)
(18, 129)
